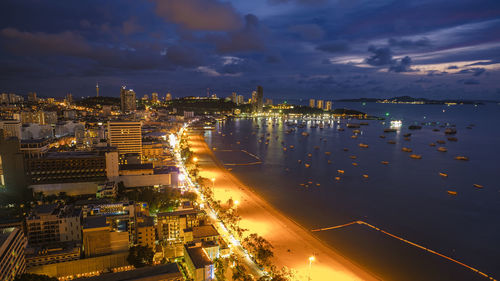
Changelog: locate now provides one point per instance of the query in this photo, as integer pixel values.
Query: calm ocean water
(407, 197)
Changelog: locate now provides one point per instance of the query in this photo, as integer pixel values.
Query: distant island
(412, 100)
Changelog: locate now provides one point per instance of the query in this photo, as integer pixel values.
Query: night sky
(293, 48)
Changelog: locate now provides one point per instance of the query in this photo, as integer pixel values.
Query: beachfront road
(293, 245)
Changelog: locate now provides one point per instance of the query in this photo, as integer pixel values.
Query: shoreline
(292, 243)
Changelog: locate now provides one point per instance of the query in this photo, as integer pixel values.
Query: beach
(293, 245)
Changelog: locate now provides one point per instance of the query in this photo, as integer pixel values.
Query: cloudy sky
(293, 48)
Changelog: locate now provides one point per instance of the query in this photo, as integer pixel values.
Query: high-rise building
(241, 99)
(154, 97)
(69, 98)
(168, 97)
(32, 97)
(234, 97)
(97, 89)
(126, 136)
(254, 97)
(12, 259)
(127, 98)
(312, 103)
(269, 102)
(11, 164)
(320, 104)
(260, 98)
(328, 105)
(11, 128)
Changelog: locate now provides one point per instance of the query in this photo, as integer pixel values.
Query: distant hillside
(92, 101)
(408, 99)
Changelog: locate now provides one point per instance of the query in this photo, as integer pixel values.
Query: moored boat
(365, 176)
(444, 175)
(441, 141)
(384, 162)
(452, 139)
(363, 145)
(406, 149)
(477, 185)
(450, 131)
(462, 158)
(415, 156)
(340, 171)
(432, 144)
(353, 157)
(391, 142)
(442, 149)
(450, 192)
(390, 130)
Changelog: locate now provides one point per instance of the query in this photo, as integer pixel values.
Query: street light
(213, 183)
(311, 259)
(195, 159)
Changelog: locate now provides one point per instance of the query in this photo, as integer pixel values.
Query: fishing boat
(462, 158)
(442, 149)
(340, 171)
(415, 156)
(307, 165)
(441, 141)
(329, 161)
(341, 129)
(328, 153)
(363, 123)
(346, 149)
(390, 130)
(477, 185)
(385, 162)
(450, 131)
(452, 139)
(354, 137)
(452, 192)
(406, 149)
(365, 176)
(356, 131)
(291, 146)
(309, 155)
(444, 175)
(305, 134)
(407, 139)
(337, 178)
(363, 145)
(318, 184)
(432, 144)
(316, 147)
(382, 136)
(407, 135)
(355, 164)
(391, 142)
(284, 148)
(435, 130)
(414, 127)
(300, 161)
(353, 157)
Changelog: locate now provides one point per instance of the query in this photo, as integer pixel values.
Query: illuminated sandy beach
(293, 245)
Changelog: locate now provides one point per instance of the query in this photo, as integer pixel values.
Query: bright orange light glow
(312, 258)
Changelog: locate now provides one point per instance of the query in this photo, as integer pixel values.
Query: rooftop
(179, 213)
(150, 272)
(95, 222)
(204, 231)
(198, 256)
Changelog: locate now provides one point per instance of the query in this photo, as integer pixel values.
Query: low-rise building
(146, 235)
(12, 259)
(198, 264)
(171, 225)
(101, 238)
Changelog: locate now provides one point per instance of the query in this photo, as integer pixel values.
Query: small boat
(435, 130)
(305, 134)
(355, 164)
(341, 129)
(328, 153)
(390, 130)
(463, 158)
(300, 161)
(441, 141)
(432, 144)
(452, 139)
(356, 131)
(353, 157)
(450, 131)
(442, 149)
(365, 176)
(302, 184)
(407, 135)
(414, 127)
(444, 175)
(352, 125)
(346, 149)
(237, 142)
(309, 155)
(307, 165)
(214, 148)
(477, 185)
(230, 169)
(316, 147)
(385, 162)
(340, 171)
(406, 149)
(337, 178)
(391, 142)
(407, 139)
(291, 146)
(363, 145)
(318, 184)
(382, 136)
(354, 137)
(452, 192)
(415, 156)
(329, 161)
(284, 148)
(364, 124)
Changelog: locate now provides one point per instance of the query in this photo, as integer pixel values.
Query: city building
(168, 97)
(101, 238)
(146, 232)
(312, 103)
(127, 98)
(126, 136)
(320, 104)
(188, 114)
(240, 100)
(154, 97)
(69, 98)
(328, 105)
(12, 175)
(198, 264)
(269, 102)
(12, 259)
(260, 99)
(171, 225)
(11, 128)
(52, 223)
(32, 97)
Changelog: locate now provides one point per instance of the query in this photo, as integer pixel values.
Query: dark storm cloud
(409, 44)
(199, 14)
(308, 31)
(248, 39)
(404, 65)
(334, 47)
(475, 71)
(303, 2)
(381, 56)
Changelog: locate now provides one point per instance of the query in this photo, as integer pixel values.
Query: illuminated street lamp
(195, 159)
(213, 183)
(311, 259)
